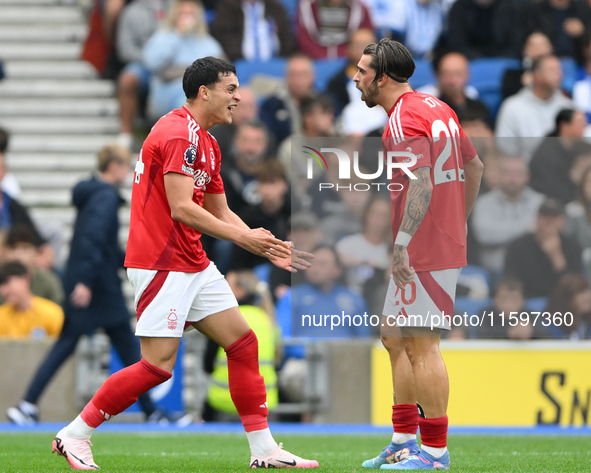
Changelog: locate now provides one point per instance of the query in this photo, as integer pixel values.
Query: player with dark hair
(177, 195)
(429, 225)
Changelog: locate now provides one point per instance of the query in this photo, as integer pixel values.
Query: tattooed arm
(415, 209)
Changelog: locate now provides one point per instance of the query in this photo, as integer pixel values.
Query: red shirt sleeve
(466, 147)
(179, 155)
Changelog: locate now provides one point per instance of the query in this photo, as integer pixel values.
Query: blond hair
(200, 28)
(112, 152)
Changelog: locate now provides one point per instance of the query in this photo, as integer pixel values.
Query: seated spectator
(25, 315)
(138, 22)
(271, 212)
(12, 212)
(453, 72)
(563, 21)
(21, 245)
(256, 30)
(339, 85)
(539, 258)
(421, 25)
(529, 115)
(303, 230)
(347, 215)
(386, 16)
(8, 182)
(324, 294)
(484, 28)
(506, 212)
(536, 45)
(578, 218)
(363, 254)
(508, 302)
(553, 159)
(475, 122)
(317, 121)
(182, 39)
(280, 112)
(250, 148)
(325, 26)
(98, 48)
(335, 201)
(246, 111)
(570, 296)
(256, 306)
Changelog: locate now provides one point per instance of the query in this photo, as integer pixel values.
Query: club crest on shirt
(191, 155)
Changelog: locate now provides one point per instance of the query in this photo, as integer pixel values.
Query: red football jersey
(426, 127)
(176, 144)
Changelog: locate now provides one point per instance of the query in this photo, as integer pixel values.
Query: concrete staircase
(58, 111)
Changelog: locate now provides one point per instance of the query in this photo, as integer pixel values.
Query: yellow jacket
(43, 318)
(218, 394)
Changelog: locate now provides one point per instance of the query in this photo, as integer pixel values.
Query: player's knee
(394, 345)
(420, 348)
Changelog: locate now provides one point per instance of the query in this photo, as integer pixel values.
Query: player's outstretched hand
(263, 243)
(297, 260)
(402, 272)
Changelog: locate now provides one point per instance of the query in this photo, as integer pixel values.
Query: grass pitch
(189, 452)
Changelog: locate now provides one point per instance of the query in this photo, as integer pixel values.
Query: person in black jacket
(485, 28)
(563, 21)
(538, 259)
(91, 281)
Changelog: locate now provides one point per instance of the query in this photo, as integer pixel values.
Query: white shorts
(167, 302)
(428, 301)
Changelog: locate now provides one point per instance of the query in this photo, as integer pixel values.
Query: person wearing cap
(539, 258)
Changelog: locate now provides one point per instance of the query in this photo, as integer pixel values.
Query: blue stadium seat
(569, 74)
(423, 74)
(262, 272)
(326, 69)
(536, 304)
(472, 306)
(487, 76)
(247, 69)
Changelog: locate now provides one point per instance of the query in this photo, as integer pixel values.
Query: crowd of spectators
(531, 226)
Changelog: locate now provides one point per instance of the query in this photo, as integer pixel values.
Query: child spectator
(25, 315)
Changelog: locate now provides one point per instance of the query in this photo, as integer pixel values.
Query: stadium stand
(56, 109)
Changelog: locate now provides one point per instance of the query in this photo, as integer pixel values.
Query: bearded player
(177, 195)
(439, 185)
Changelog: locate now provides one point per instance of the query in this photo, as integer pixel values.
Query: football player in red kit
(178, 194)
(434, 194)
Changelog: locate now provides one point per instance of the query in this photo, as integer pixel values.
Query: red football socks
(247, 386)
(405, 418)
(121, 390)
(434, 432)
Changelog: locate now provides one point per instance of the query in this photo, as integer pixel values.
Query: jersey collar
(399, 99)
